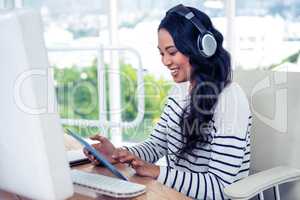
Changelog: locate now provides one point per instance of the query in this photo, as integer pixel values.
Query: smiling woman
(176, 62)
(204, 129)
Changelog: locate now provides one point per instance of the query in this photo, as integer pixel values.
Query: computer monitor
(33, 161)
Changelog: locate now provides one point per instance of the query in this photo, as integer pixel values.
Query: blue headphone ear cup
(207, 44)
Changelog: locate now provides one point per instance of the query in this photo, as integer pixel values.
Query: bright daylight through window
(266, 36)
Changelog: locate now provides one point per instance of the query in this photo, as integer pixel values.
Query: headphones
(206, 42)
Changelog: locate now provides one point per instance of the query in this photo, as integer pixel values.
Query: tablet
(97, 155)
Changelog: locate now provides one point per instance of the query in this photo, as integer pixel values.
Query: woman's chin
(178, 79)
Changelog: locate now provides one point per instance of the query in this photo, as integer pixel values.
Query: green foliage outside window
(77, 96)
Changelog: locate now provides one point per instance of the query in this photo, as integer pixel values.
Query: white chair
(275, 136)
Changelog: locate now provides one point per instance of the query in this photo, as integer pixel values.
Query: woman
(205, 135)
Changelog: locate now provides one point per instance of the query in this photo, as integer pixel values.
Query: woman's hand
(105, 147)
(141, 167)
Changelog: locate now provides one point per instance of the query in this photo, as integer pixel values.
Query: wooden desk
(155, 190)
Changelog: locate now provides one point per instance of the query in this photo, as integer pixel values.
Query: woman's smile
(174, 71)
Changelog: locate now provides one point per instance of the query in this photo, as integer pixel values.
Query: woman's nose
(166, 60)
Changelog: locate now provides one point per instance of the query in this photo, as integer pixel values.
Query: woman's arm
(223, 167)
(155, 147)
(228, 151)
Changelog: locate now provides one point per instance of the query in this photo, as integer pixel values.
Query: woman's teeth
(174, 72)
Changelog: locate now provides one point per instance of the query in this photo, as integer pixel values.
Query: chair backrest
(274, 98)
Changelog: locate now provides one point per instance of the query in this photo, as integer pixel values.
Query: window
(70, 23)
(268, 35)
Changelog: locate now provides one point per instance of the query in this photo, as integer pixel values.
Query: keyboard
(93, 185)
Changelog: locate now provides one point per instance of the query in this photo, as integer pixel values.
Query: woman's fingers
(86, 152)
(123, 156)
(119, 153)
(137, 163)
(94, 160)
(127, 159)
(98, 137)
(90, 157)
(97, 146)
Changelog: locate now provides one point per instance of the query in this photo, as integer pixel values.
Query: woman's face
(175, 61)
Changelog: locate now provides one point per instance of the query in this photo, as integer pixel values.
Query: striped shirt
(224, 159)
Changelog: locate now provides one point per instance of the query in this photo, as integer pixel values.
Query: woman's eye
(173, 53)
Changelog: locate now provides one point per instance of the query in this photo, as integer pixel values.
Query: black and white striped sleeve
(155, 147)
(227, 152)
(193, 184)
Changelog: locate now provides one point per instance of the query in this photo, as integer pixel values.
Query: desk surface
(155, 190)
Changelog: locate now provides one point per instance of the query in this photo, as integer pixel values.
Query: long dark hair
(209, 76)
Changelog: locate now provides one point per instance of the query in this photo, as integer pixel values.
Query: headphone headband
(189, 15)
(206, 42)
